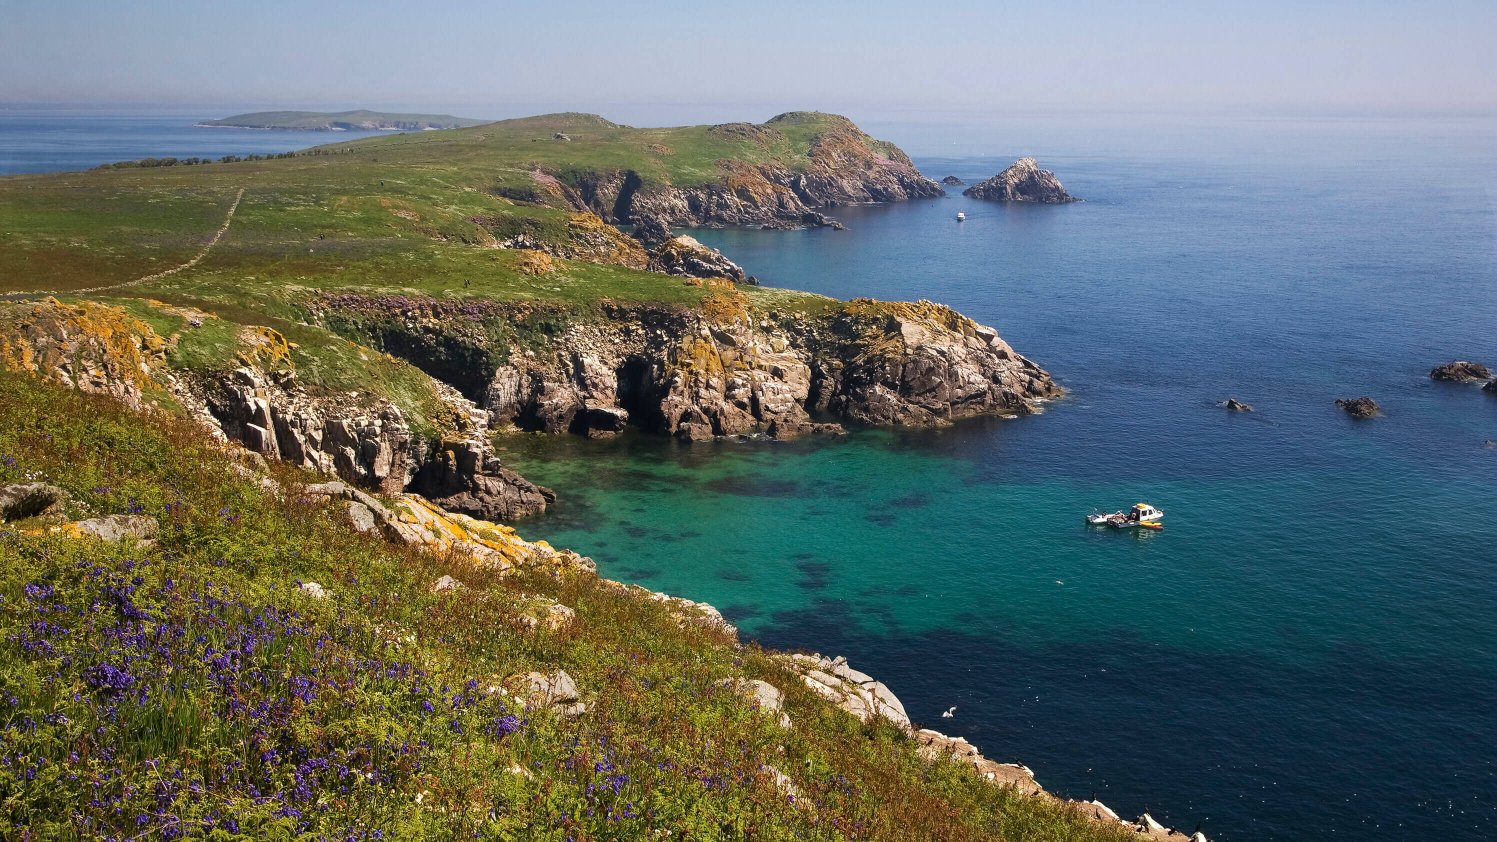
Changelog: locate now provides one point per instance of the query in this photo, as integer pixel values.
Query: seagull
(950, 713)
(1060, 581)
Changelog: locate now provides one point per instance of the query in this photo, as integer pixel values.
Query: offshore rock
(952, 181)
(1461, 371)
(687, 257)
(719, 372)
(1363, 407)
(1024, 181)
(1235, 405)
(1490, 388)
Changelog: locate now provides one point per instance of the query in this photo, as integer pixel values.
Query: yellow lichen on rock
(725, 307)
(533, 262)
(597, 241)
(490, 544)
(89, 346)
(265, 348)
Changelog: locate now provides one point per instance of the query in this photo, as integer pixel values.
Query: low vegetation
(190, 688)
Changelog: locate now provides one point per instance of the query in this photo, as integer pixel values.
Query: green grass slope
(189, 689)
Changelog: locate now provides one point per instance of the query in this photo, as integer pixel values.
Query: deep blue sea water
(1309, 649)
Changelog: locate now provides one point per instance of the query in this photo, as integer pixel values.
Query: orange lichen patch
(533, 262)
(698, 355)
(925, 312)
(489, 544)
(596, 241)
(265, 348)
(725, 307)
(89, 346)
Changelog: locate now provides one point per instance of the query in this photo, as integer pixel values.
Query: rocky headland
(842, 166)
(1023, 181)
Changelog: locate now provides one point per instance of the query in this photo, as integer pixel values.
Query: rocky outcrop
(1359, 407)
(718, 372)
(86, 346)
(855, 692)
(413, 521)
(1461, 371)
(1490, 388)
(1024, 181)
(952, 181)
(1235, 405)
(688, 258)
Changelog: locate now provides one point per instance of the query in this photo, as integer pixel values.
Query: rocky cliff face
(363, 438)
(1024, 181)
(722, 372)
(846, 167)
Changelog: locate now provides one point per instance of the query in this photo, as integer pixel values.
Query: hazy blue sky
(876, 58)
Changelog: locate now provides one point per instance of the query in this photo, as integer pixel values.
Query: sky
(660, 60)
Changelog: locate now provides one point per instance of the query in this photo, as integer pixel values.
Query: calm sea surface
(1309, 649)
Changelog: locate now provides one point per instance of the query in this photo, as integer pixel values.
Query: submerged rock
(1024, 181)
(1461, 371)
(1363, 407)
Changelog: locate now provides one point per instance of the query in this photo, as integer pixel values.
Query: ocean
(1309, 648)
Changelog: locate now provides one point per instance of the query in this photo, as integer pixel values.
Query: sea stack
(952, 181)
(1022, 182)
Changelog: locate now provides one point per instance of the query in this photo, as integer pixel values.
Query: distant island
(341, 121)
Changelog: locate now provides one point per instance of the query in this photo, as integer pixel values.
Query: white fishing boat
(1142, 515)
(961, 216)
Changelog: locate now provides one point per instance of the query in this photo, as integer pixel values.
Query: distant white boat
(961, 216)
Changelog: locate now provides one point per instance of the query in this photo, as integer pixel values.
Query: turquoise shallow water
(1310, 646)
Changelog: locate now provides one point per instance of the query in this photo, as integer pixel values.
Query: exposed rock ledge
(1023, 181)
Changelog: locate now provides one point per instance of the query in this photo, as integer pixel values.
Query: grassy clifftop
(190, 688)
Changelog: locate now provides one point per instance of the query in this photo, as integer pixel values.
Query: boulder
(952, 181)
(556, 690)
(1363, 407)
(360, 516)
(1461, 371)
(446, 584)
(761, 694)
(1024, 181)
(1490, 388)
(116, 528)
(313, 590)
(32, 499)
